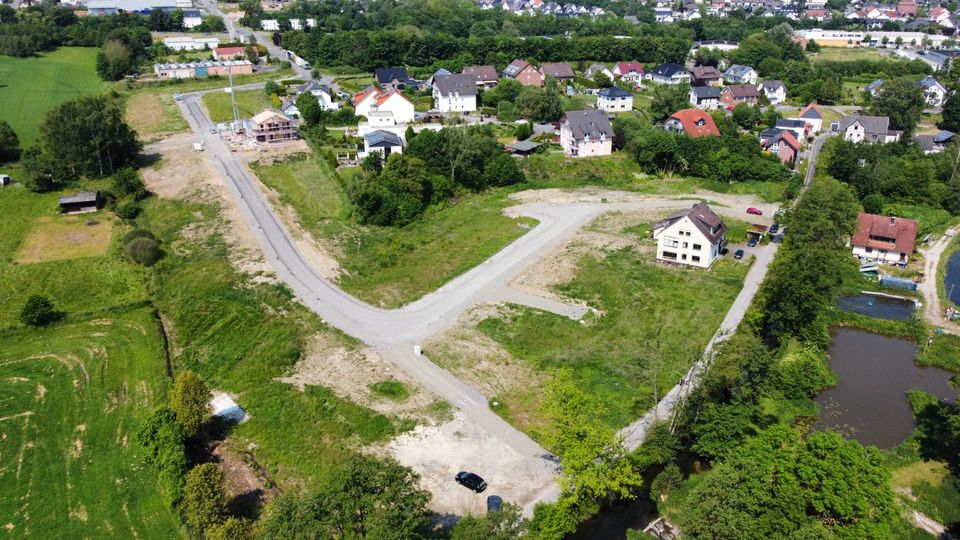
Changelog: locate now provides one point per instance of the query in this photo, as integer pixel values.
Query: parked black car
(471, 481)
(752, 242)
(774, 228)
(738, 254)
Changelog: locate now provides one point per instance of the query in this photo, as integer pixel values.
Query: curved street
(394, 333)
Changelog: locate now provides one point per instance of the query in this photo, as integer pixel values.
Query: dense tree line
(732, 157)
(895, 173)
(368, 49)
(84, 137)
(432, 168)
(46, 26)
(512, 100)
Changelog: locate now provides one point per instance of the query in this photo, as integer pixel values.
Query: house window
(697, 247)
(669, 255)
(670, 242)
(695, 258)
(684, 256)
(685, 245)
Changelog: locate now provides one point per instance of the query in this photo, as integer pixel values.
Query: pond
(869, 403)
(951, 282)
(880, 307)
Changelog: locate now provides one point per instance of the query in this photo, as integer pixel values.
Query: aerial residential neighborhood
(501, 269)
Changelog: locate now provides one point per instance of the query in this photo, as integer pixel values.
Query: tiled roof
(696, 123)
(886, 232)
(593, 124)
(702, 216)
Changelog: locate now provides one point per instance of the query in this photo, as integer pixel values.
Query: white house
(884, 239)
(871, 129)
(738, 74)
(706, 98)
(614, 99)
(669, 74)
(629, 71)
(586, 133)
(813, 117)
(694, 236)
(383, 142)
(391, 101)
(192, 18)
(322, 93)
(595, 69)
(775, 91)
(455, 93)
(934, 92)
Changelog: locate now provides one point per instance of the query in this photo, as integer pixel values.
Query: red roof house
(228, 53)
(886, 239)
(693, 122)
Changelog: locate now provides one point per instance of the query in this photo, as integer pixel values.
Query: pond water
(869, 403)
(951, 282)
(880, 307)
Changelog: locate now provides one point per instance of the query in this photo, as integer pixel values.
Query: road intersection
(395, 333)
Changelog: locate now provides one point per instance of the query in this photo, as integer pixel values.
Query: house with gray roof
(694, 236)
(586, 133)
(874, 87)
(383, 142)
(321, 92)
(558, 71)
(392, 77)
(706, 98)
(933, 92)
(775, 91)
(614, 99)
(871, 129)
(455, 93)
(738, 74)
(669, 74)
(934, 144)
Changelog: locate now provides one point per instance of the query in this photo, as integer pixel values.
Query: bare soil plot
(55, 238)
(154, 116)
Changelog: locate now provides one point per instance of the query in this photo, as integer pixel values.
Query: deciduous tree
(190, 401)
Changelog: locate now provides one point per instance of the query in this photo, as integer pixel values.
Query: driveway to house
(395, 333)
(933, 309)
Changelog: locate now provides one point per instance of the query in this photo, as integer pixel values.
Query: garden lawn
(249, 103)
(393, 266)
(655, 323)
(32, 86)
(74, 395)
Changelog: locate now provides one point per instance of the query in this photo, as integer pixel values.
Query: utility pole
(233, 101)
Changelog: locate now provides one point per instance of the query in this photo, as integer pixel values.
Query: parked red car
(754, 211)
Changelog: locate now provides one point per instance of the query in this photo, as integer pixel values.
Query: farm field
(249, 103)
(74, 394)
(54, 77)
(387, 266)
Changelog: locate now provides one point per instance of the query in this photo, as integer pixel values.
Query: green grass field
(73, 393)
(227, 328)
(76, 285)
(73, 396)
(389, 266)
(843, 54)
(249, 103)
(29, 87)
(616, 356)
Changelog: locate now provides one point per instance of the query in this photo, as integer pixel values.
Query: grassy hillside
(29, 87)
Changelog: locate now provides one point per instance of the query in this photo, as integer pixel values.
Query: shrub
(204, 502)
(136, 233)
(127, 208)
(189, 400)
(143, 250)
(38, 311)
(666, 482)
(162, 437)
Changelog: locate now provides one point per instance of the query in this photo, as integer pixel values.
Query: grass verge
(655, 323)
